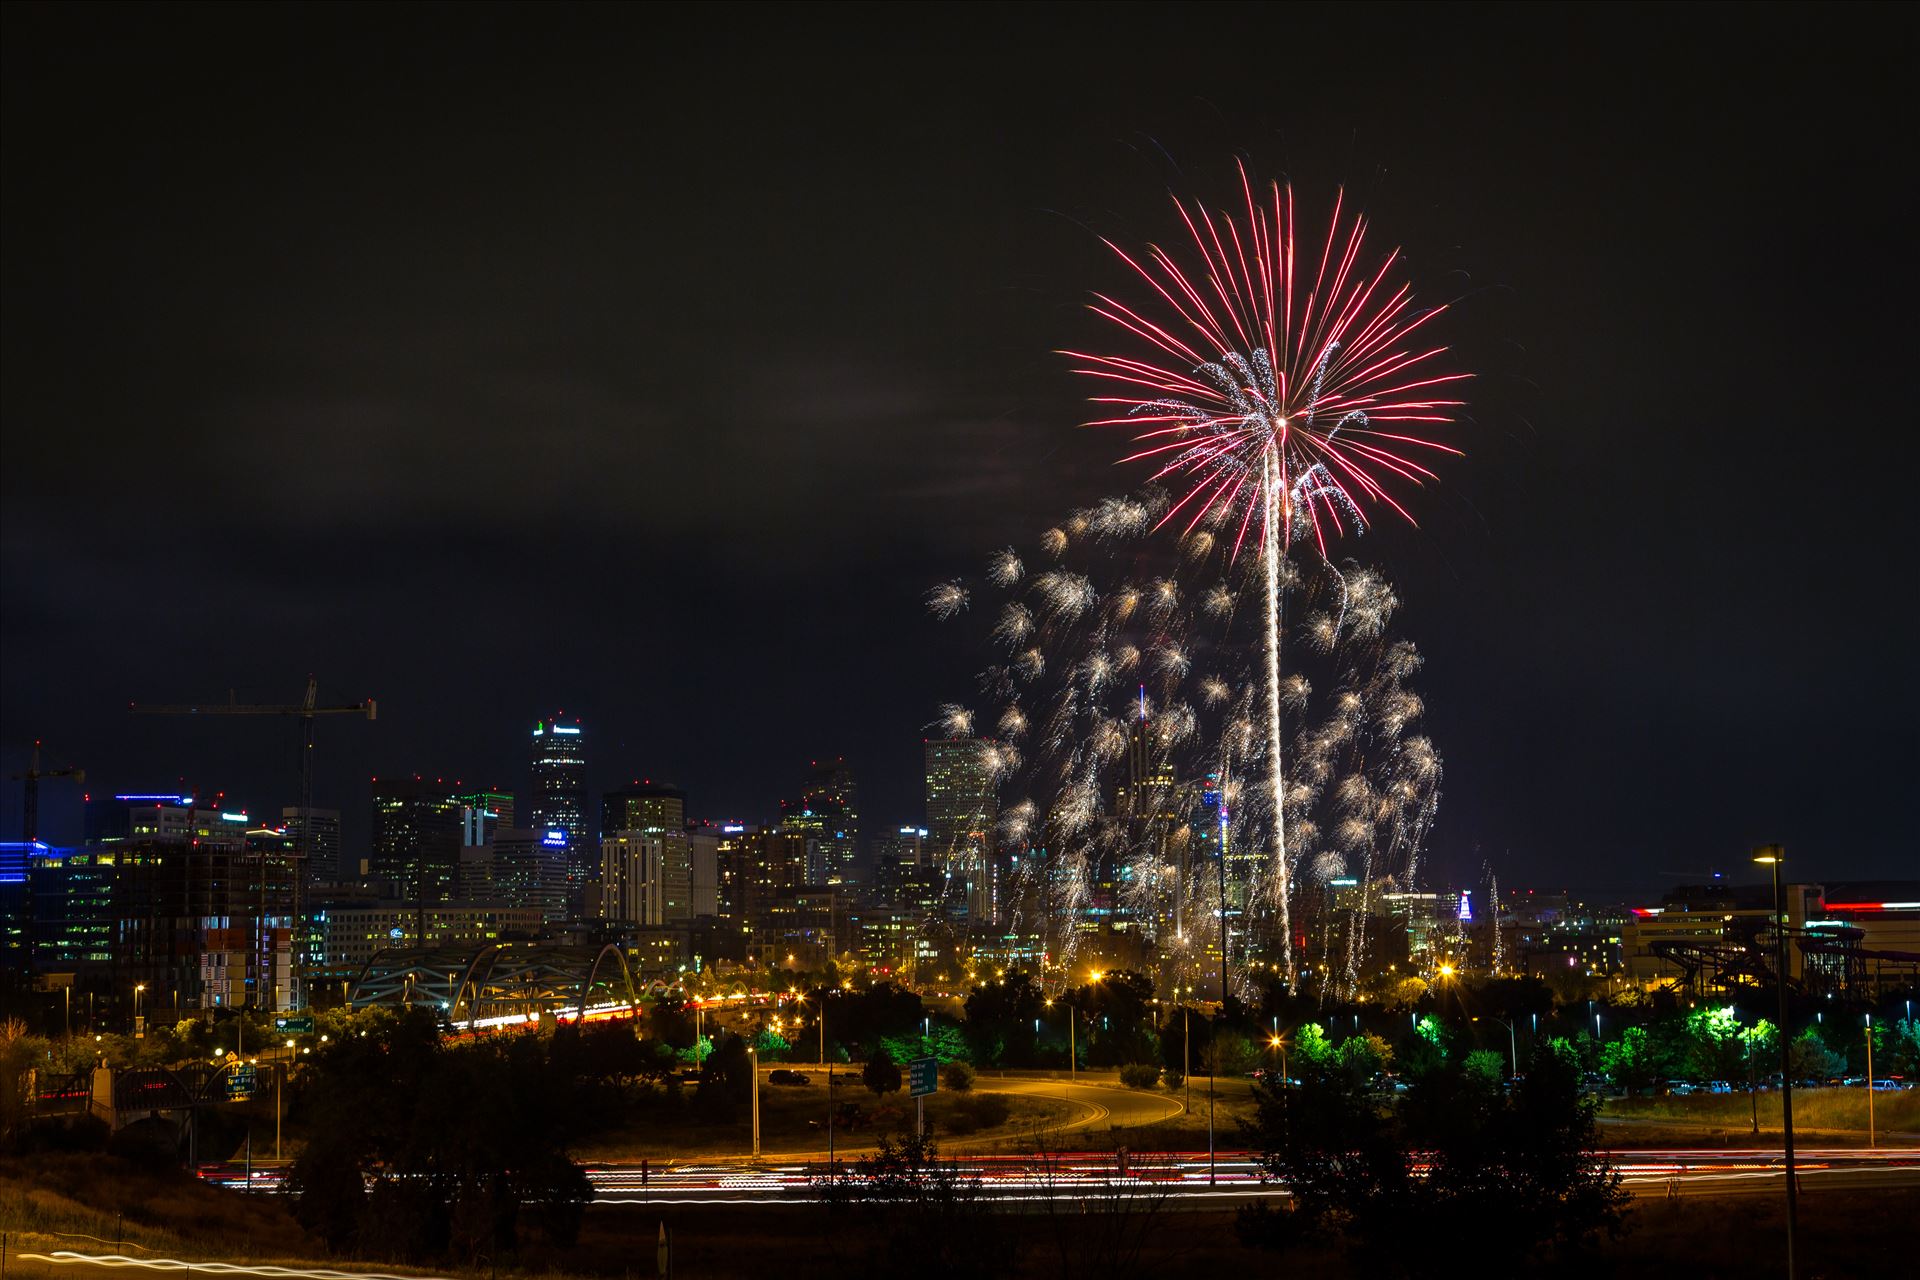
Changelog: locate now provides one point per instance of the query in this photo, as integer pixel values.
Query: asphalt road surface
(1192, 1180)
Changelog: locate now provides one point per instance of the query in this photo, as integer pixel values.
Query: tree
(1230, 1054)
(397, 1166)
(1630, 1060)
(1364, 1056)
(1486, 1065)
(1311, 1046)
(1515, 1171)
(1001, 1018)
(925, 1217)
(881, 1074)
(726, 1080)
(1808, 1058)
(1712, 1045)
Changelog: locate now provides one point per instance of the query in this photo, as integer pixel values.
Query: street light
(1870, 1134)
(1279, 1042)
(753, 1070)
(138, 987)
(1771, 856)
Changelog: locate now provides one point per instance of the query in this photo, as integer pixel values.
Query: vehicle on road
(786, 1075)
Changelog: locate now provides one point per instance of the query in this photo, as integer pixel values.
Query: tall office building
(962, 807)
(906, 847)
(827, 817)
(830, 804)
(644, 806)
(529, 869)
(558, 798)
(418, 831)
(557, 801)
(494, 804)
(646, 877)
(316, 833)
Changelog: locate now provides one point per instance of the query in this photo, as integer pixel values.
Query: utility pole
(1772, 856)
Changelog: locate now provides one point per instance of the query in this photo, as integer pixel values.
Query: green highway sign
(243, 1081)
(923, 1075)
(302, 1023)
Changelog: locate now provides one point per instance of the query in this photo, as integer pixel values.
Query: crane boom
(369, 709)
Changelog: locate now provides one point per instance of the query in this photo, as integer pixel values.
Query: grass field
(87, 1201)
(1838, 1112)
(793, 1120)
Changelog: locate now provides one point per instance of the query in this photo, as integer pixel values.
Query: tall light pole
(753, 1072)
(1870, 1134)
(1513, 1043)
(1772, 855)
(138, 1030)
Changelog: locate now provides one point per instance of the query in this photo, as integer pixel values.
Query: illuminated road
(1096, 1106)
(1188, 1180)
(1188, 1177)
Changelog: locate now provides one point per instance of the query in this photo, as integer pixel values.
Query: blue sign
(923, 1076)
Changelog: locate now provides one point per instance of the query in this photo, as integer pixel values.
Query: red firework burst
(1300, 389)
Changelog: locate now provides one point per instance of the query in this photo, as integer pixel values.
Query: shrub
(882, 1073)
(1139, 1075)
(957, 1076)
(1173, 1080)
(987, 1109)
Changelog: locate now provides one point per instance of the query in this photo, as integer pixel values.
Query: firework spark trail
(1159, 666)
(1264, 393)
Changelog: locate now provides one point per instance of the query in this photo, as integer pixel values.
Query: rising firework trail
(1293, 386)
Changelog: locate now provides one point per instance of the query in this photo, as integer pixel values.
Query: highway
(1189, 1180)
(1096, 1105)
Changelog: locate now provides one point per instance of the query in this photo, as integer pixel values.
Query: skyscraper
(418, 829)
(962, 807)
(646, 877)
(558, 802)
(827, 816)
(559, 793)
(316, 833)
(644, 806)
(497, 805)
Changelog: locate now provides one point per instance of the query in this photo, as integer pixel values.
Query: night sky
(651, 366)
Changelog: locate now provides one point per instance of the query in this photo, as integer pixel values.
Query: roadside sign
(242, 1082)
(299, 1024)
(923, 1074)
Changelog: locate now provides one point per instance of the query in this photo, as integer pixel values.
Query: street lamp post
(1871, 1142)
(138, 1030)
(753, 1071)
(1772, 856)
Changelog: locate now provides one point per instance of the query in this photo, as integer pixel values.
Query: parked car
(786, 1075)
(1718, 1086)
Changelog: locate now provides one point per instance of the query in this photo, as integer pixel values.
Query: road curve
(1096, 1106)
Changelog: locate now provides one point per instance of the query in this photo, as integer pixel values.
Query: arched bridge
(500, 983)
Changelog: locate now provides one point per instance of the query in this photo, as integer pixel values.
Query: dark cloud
(551, 357)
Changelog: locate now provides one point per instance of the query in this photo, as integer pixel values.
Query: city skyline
(1636, 666)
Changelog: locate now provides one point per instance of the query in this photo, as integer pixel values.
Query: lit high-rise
(962, 807)
(558, 802)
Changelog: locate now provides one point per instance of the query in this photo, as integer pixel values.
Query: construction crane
(306, 711)
(30, 811)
